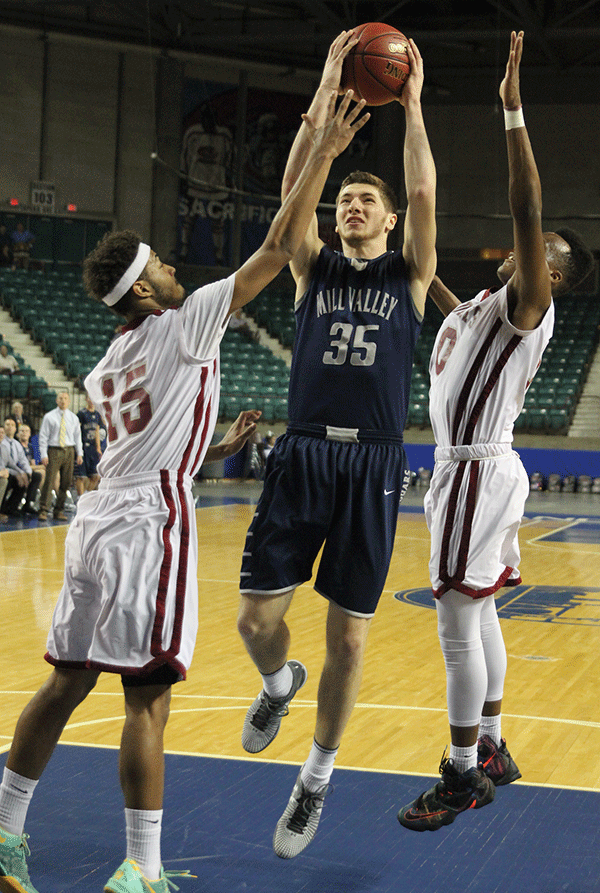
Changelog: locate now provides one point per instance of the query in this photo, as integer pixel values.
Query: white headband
(131, 275)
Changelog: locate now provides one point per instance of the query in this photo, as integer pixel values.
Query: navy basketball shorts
(89, 466)
(341, 496)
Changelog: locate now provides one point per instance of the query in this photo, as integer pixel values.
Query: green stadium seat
(49, 400)
(19, 386)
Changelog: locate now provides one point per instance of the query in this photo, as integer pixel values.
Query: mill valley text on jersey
(357, 327)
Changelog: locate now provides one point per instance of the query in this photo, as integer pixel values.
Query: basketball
(377, 67)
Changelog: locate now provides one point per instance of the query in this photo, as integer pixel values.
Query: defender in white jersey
(485, 355)
(129, 599)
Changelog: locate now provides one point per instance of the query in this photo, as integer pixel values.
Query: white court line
(279, 762)
(542, 536)
(305, 703)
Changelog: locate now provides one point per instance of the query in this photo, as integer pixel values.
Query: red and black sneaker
(496, 762)
(455, 793)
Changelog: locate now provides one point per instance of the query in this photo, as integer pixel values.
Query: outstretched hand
(510, 92)
(235, 438)
(339, 126)
(332, 70)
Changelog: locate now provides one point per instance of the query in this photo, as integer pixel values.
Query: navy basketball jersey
(89, 422)
(356, 330)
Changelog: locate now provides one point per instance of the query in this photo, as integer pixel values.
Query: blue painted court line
(220, 815)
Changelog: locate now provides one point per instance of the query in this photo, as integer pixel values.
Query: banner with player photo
(207, 206)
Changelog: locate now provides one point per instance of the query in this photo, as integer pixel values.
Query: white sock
(317, 770)
(492, 726)
(279, 683)
(463, 757)
(143, 827)
(16, 792)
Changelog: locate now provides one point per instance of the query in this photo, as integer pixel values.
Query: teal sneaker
(14, 876)
(128, 878)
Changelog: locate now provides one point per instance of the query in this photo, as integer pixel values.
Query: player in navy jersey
(336, 477)
(486, 353)
(92, 427)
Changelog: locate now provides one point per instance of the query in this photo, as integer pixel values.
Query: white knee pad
(466, 671)
(494, 649)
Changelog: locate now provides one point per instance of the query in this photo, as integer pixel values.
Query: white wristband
(513, 118)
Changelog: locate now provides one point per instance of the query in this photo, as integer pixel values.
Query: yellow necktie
(62, 434)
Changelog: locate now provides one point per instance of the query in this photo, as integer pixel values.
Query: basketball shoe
(128, 878)
(496, 762)
(14, 876)
(300, 820)
(264, 716)
(456, 792)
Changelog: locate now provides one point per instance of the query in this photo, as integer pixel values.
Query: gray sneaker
(14, 876)
(264, 716)
(300, 820)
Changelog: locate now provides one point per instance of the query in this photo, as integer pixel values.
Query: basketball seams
(365, 66)
(377, 81)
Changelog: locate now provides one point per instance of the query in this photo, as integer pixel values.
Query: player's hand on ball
(414, 83)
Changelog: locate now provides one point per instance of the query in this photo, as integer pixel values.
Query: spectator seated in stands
(19, 469)
(3, 476)
(237, 323)
(19, 417)
(38, 471)
(8, 364)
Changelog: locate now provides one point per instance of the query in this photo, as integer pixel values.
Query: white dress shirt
(13, 457)
(50, 431)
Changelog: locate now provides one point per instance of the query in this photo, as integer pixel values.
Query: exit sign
(42, 196)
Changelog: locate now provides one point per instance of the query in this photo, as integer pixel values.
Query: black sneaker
(264, 716)
(455, 793)
(300, 820)
(496, 762)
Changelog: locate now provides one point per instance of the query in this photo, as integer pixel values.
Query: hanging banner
(207, 204)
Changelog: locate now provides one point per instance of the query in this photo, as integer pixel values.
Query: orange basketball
(377, 67)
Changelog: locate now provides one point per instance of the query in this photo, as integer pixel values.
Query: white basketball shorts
(473, 509)
(129, 601)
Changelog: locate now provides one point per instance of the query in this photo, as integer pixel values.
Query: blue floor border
(220, 815)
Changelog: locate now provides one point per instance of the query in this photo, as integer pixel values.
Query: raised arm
(317, 113)
(529, 288)
(420, 179)
(319, 108)
(442, 297)
(288, 229)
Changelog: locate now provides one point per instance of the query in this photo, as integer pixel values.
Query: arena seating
(552, 397)
(252, 378)
(53, 307)
(55, 310)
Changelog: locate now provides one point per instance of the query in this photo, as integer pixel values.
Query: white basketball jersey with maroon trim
(480, 369)
(158, 386)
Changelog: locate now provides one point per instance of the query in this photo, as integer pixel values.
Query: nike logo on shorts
(387, 492)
